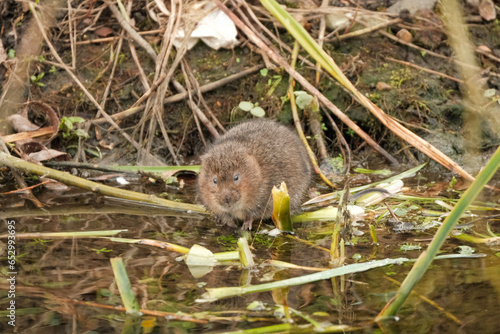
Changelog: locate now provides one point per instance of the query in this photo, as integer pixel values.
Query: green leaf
(465, 250)
(245, 105)
(303, 99)
(124, 286)
(256, 305)
(81, 133)
(76, 119)
(263, 72)
(92, 152)
(105, 292)
(12, 53)
(66, 123)
(400, 212)
(383, 172)
(258, 111)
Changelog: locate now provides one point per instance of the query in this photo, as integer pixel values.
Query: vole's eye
(215, 180)
(236, 177)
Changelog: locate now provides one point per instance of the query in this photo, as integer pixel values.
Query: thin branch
(72, 35)
(367, 30)
(424, 69)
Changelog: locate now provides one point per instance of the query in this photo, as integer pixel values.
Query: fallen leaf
(405, 35)
(483, 49)
(383, 86)
(21, 124)
(104, 31)
(54, 185)
(49, 154)
(487, 10)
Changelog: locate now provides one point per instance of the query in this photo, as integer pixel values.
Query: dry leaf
(405, 35)
(21, 124)
(383, 86)
(54, 185)
(42, 115)
(35, 151)
(3, 53)
(104, 32)
(487, 10)
(103, 143)
(483, 49)
(49, 154)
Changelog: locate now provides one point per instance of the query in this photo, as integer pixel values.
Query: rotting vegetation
(136, 80)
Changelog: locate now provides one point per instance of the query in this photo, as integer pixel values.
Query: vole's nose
(227, 200)
(230, 198)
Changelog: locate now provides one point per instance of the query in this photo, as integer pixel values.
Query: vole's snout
(230, 198)
(227, 200)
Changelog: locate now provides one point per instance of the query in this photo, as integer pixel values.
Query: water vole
(241, 167)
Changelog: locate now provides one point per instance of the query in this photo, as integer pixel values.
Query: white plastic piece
(216, 30)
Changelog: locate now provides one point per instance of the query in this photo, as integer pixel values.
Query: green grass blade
(217, 293)
(123, 283)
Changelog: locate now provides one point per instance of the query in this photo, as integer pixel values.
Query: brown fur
(260, 153)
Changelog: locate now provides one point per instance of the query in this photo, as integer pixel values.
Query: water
(53, 276)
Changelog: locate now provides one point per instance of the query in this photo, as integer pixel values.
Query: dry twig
(425, 69)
